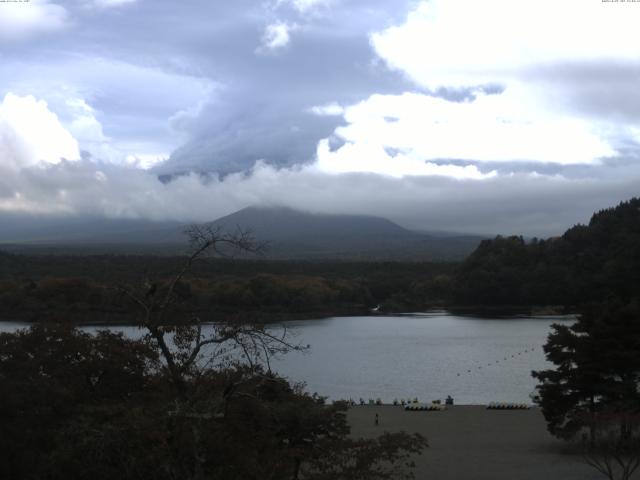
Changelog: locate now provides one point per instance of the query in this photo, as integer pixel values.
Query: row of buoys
(528, 350)
(507, 406)
(424, 407)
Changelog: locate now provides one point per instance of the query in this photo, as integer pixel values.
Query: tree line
(587, 263)
(87, 288)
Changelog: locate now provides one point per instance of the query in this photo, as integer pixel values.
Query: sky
(492, 117)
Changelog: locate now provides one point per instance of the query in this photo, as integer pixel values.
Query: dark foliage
(85, 289)
(587, 263)
(101, 407)
(614, 455)
(53, 374)
(597, 369)
(187, 401)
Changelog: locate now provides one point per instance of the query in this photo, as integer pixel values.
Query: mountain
(281, 223)
(296, 234)
(289, 234)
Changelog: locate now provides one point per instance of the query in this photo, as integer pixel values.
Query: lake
(429, 356)
(475, 360)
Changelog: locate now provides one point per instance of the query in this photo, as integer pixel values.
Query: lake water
(475, 360)
(429, 356)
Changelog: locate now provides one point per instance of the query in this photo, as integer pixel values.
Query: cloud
(265, 111)
(491, 116)
(305, 6)
(496, 88)
(113, 108)
(202, 95)
(111, 3)
(505, 127)
(468, 43)
(374, 158)
(22, 20)
(509, 204)
(34, 179)
(30, 134)
(328, 110)
(227, 144)
(276, 36)
(84, 123)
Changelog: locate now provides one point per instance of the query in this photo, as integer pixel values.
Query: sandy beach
(471, 442)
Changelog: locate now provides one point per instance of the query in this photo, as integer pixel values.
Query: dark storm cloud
(266, 115)
(262, 110)
(258, 101)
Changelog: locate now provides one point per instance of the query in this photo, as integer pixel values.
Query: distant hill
(281, 223)
(34, 230)
(289, 233)
(296, 234)
(588, 263)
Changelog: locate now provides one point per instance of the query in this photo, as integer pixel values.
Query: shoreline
(507, 313)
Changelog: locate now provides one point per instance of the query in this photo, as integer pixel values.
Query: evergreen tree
(597, 368)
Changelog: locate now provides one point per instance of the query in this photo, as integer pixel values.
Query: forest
(586, 263)
(89, 288)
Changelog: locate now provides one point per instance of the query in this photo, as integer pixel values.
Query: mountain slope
(296, 234)
(289, 233)
(280, 223)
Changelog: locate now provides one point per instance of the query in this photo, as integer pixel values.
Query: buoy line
(504, 359)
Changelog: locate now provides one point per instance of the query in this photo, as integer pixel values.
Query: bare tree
(615, 449)
(220, 376)
(188, 350)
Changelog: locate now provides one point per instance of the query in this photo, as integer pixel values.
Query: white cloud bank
(117, 111)
(30, 134)
(21, 20)
(506, 61)
(373, 158)
(461, 43)
(34, 179)
(492, 128)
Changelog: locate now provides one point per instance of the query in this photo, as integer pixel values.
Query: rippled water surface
(429, 356)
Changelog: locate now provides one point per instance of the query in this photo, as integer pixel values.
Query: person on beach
(377, 420)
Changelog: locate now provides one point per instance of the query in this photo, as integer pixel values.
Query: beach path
(471, 442)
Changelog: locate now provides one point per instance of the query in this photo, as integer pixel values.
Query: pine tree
(597, 362)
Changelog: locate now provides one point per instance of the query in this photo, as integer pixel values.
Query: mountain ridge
(290, 233)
